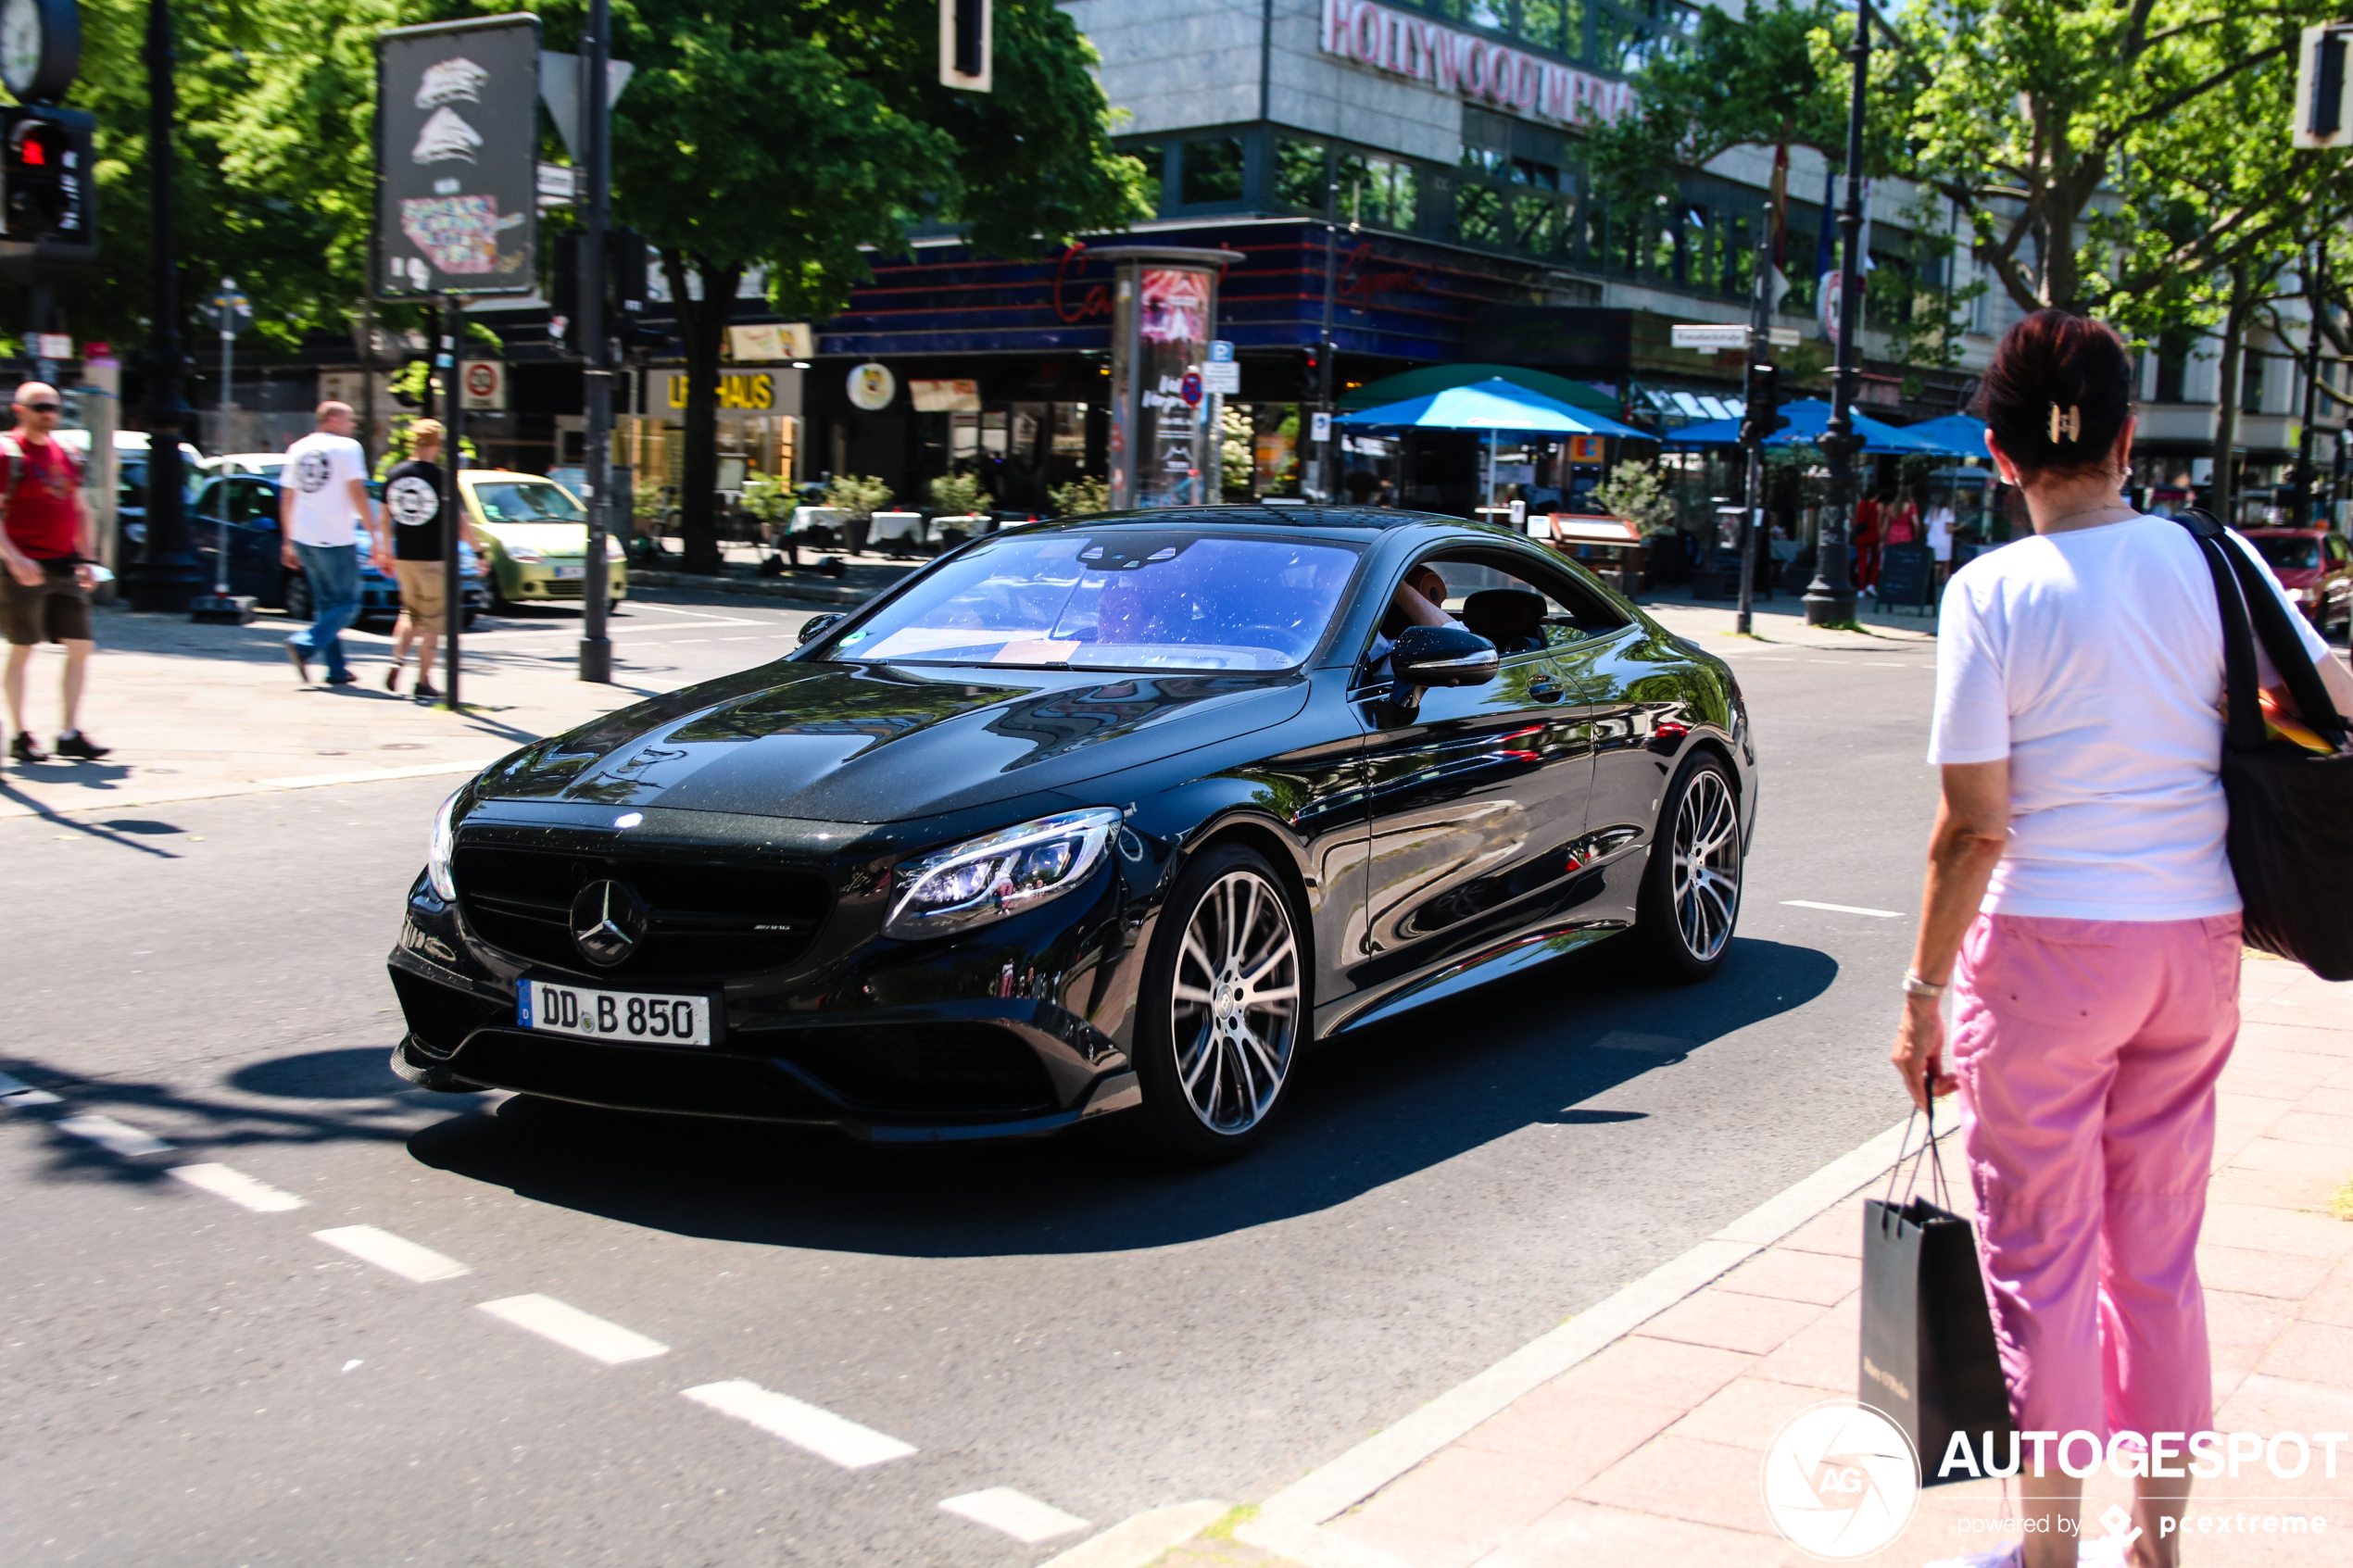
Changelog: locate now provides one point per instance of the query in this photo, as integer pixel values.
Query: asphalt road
(183, 1381)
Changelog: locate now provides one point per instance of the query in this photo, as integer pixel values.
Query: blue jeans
(334, 574)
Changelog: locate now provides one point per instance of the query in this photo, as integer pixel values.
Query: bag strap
(2241, 592)
(1929, 1153)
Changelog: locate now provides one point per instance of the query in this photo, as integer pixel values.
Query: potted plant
(858, 497)
(961, 508)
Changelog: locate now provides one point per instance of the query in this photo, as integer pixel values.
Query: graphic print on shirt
(312, 471)
(411, 500)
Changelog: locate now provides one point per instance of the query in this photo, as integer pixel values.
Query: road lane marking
(805, 1425)
(1844, 909)
(16, 1092)
(423, 770)
(574, 1329)
(111, 1135)
(1016, 1513)
(237, 1187)
(1886, 664)
(398, 1254)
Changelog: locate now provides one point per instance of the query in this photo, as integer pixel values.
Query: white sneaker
(2010, 1556)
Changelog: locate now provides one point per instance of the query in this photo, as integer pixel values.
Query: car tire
(295, 595)
(499, 603)
(1225, 1009)
(1690, 894)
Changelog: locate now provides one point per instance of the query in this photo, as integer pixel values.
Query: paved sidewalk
(1650, 1450)
(1782, 620)
(194, 711)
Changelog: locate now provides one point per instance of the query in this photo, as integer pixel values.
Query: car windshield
(2291, 552)
(1120, 599)
(525, 500)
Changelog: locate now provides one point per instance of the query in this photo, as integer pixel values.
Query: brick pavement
(1651, 1449)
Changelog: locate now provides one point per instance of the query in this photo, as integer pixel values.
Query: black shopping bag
(1929, 1360)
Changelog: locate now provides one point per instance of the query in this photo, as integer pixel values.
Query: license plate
(636, 1016)
(565, 574)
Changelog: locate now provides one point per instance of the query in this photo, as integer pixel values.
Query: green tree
(800, 137)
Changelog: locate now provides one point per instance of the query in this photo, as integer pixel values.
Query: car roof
(1365, 521)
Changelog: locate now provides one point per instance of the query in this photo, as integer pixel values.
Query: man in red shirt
(47, 544)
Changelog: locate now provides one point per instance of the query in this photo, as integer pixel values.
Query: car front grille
(915, 1069)
(708, 918)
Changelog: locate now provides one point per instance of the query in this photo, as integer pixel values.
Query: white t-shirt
(1939, 532)
(319, 467)
(2093, 661)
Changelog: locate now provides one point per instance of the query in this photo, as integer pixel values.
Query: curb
(801, 588)
(1340, 1485)
(1137, 1540)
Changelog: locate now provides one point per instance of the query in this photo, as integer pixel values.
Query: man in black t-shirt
(412, 506)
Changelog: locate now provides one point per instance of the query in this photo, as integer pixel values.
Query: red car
(2315, 565)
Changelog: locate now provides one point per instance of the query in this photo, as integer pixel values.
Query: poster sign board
(456, 157)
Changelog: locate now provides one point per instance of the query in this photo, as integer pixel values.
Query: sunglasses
(41, 408)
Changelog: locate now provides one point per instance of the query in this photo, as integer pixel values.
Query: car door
(1476, 798)
(254, 539)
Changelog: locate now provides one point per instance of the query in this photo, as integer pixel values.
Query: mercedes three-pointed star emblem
(608, 922)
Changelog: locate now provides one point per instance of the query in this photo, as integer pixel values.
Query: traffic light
(48, 208)
(625, 279)
(1763, 415)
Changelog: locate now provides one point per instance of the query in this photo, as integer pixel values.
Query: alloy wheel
(1707, 865)
(1234, 1007)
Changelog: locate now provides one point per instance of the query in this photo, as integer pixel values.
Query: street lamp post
(1830, 598)
(167, 575)
(2300, 506)
(595, 646)
(1758, 387)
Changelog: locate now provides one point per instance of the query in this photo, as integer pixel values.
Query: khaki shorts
(57, 611)
(423, 598)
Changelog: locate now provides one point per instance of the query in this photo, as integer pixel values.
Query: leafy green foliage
(959, 494)
(859, 494)
(1080, 497)
(769, 497)
(1641, 493)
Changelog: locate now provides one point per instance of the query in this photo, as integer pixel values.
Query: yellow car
(538, 534)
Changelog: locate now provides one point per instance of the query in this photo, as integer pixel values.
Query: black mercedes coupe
(1108, 815)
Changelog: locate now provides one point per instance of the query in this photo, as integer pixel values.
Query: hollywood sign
(1477, 68)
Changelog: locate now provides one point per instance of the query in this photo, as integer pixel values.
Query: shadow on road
(1375, 1108)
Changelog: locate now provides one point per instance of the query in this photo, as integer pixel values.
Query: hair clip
(2066, 426)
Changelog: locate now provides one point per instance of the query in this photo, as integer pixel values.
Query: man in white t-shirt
(322, 504)
(1940, 539)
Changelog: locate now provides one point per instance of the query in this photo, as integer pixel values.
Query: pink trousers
(2087, 1052)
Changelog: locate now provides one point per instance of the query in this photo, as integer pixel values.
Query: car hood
(550, 538)
(886, 742)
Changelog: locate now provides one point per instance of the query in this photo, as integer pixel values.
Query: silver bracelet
(1915, 986)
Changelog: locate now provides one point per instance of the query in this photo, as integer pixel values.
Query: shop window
(1554, 24)
(1478, 215)
(1697, 246)
(1740, 259)
(2250, 383)
(1664, 260)
(1299, 174)
(1485, 161)
(1378, 190)
(1212, 172)
(2173, 364)
(1536, 224)
(1797, 265)
(1889, 295)
(1527, 171)
(1593, 221)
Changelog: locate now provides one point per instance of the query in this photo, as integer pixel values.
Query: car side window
(249, 503)
(2337, 553)
(1492, 595)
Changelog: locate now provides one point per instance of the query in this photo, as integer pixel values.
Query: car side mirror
(816, 626)
(1439, 656)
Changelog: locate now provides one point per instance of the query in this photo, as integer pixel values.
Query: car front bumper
(526, 580)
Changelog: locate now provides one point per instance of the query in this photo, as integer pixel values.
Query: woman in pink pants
(2081, 906)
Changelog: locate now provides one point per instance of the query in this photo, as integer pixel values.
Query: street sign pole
(453, 458)
(1830, 598)
(1759, 359)
(596, 645)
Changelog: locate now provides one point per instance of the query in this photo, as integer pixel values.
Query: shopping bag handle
(1929, 1153)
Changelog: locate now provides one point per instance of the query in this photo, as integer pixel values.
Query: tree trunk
(703, 326)
(2226, 393)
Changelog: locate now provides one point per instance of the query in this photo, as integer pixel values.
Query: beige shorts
(423, 597)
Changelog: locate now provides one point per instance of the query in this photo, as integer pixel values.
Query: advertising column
(1163, 316)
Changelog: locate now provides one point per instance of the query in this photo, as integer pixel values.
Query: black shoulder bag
(2291, 836)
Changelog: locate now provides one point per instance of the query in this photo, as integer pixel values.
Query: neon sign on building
(1480, 68)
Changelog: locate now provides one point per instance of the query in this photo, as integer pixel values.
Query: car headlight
(526, 555)
(438, 852)
(999, 873)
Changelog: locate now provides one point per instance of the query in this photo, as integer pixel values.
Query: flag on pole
(1826, 260)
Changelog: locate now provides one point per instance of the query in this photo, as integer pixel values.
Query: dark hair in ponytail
(2057, 393)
